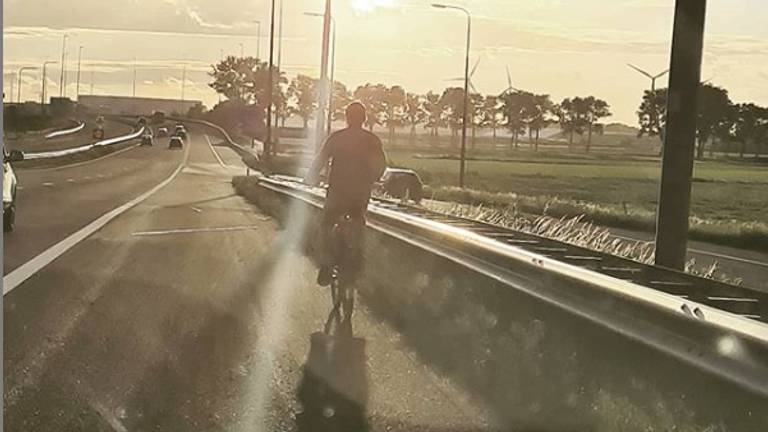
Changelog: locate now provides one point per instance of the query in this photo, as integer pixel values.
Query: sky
(559, 47)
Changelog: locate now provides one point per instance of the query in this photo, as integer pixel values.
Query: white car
(9, 188)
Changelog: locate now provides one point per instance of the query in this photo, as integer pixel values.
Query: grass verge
(745, 235)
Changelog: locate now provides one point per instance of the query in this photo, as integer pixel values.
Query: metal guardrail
(63, 132)
(84, 148)
(695, 341)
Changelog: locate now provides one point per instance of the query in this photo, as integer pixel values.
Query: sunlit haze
(561, 48)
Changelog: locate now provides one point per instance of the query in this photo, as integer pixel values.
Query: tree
(372, 96)
(596, 109)
(341, 98)
(569, 116)
(433, 107)
(652, 114)
(414, 112)
(476, 102)
(749, 125)
(538, 108)
(713, 115)
(240, 79)
(393, 109)
(513, 110)
(491, 114)
(452, 101)
(302, 91)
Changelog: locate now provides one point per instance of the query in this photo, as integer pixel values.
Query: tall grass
(748, 235)
(571, 230)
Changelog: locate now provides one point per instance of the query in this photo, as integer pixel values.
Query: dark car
(180, 131)
(162, 132)
(176, 142)
(98, 133)
(401, 183)
(147, 140)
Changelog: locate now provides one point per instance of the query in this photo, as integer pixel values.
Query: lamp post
(462, 162)
(680, 137)
(323, 83)
(44, 85)
(63, 66)
(270, 71)
(21, 69)
(333, 66)
(18, 74)
(79, 59)
(258, 40)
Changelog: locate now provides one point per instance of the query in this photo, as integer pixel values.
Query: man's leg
(332, 211)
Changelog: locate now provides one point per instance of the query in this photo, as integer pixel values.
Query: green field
(729, 197)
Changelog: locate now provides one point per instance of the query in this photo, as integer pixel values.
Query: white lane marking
(703, 252)
(213, 150)
(100, 176)
(49, 184)
(70, 180)
(196, 210)
(29, 268)
(87, 177)
(194, 230)
(84, 162)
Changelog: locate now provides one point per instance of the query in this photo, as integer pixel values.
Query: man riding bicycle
(357, 161)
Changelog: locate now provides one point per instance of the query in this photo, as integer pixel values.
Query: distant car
(180, 131)
(162, 132)
(401, 183)
(98, 133)
(176, 142)
(9, 188)
(147, 140)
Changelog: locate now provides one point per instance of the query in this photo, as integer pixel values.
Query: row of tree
(244, 81)
(719, 120)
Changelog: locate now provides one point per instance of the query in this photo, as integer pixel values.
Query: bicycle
(345, 263)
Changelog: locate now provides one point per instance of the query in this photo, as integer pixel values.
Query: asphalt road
(37, 143)
(187, 313)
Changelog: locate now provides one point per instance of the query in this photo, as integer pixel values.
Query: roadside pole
(679, 140)
(323, 85)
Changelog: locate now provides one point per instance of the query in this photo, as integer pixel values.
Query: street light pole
(323, 84)
(333, 67)
(258, 40)
(680, 137)
(44, 85)
(183, 84)
(462, 162)
(79, 59)
(270, 71)
(63, 66)
(21, 69)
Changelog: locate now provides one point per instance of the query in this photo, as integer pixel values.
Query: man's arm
(378, 162)
(319, 163)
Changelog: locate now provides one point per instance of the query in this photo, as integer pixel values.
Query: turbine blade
(661, 74)
(640, 70)
(474, 68)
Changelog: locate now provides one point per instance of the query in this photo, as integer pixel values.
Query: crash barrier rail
(625, 337)
(242, 150)
(63, 132)
(83, 148)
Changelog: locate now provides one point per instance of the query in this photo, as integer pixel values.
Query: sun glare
(368, 6)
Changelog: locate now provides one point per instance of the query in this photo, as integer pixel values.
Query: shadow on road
(333, 391)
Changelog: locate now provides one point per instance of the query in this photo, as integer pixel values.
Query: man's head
(355, 114)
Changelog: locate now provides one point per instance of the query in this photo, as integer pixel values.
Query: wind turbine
(509, 84)
(471, 74)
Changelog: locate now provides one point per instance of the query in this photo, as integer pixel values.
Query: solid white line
(194, 230)
(215, 154)
(703, 252)
(29, 268)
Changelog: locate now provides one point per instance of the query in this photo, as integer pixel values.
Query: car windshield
(385, 215)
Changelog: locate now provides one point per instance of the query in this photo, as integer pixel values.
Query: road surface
(185, 313)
